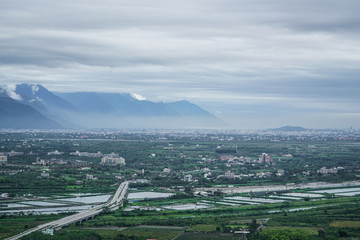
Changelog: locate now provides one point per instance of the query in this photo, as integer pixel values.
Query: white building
(280, 172)
(91, 177)
(167, 170)
(3, 160)
(86, 154)
(188, 178)
(265, 158)
(111, 155)
(56, 152)
(229, 174)
(45, 174)
(325, 170)
(4, 195)
(113, 160)
(13, 153)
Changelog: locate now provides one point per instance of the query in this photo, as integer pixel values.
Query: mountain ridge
(113, 110)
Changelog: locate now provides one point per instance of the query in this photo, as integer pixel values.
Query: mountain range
(34, 106)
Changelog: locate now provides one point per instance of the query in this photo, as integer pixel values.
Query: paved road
(119, 195)
(115, 202)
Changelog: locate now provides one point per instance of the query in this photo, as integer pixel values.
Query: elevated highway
(114, 203)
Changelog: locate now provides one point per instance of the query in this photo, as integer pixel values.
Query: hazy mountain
(290, 129)
(125, 105)
(117, 110)
(185, 108)
(14, 114)
(88, 102)
(40, 98)
(109, 110)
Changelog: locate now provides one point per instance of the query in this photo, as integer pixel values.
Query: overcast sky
(255, 63)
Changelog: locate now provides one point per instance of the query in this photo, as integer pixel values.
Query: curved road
(113, 204)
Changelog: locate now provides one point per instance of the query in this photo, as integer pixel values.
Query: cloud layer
(252, 59)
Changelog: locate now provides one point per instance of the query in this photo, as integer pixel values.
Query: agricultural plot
(350, 224)
(221, 203)
(43, 203)
(251, 200)
(53, 210)
(12, 205)
(304, 195)
(348, 194)
(285, 197)
(55, 205)
(142, 208)
(88, 199)
(187, 206)
(148, 195)
(337, 190)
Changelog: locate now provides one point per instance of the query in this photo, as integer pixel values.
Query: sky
(253, 63)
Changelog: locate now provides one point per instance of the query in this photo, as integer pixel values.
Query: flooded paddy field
(304, 195)
(88, 199)
(148, 195)
(258, 200)
(48, 210)
(337, 190)
(348, 194)
(187, 206)
(57, 204)
(285, 197)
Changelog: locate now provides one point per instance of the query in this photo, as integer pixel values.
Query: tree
(283, 234)
(253, 227)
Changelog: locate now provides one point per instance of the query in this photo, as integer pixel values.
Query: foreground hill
(17, 115)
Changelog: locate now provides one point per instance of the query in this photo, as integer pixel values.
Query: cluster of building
(231, 175)
(325, 170)
(109, 159)
(12, 153)
(263, 174)
(52, 161)
(87, 154)
(46, 162)
(231, 158)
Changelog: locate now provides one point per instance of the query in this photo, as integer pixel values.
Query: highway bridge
(114, 203)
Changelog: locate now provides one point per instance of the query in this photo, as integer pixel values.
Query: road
(115, 202)
(119, 195)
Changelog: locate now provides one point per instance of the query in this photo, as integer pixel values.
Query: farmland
(194, 185)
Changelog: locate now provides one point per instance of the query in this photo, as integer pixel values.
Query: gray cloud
(229, 56)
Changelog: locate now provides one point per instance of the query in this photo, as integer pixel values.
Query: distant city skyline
(255, 64)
